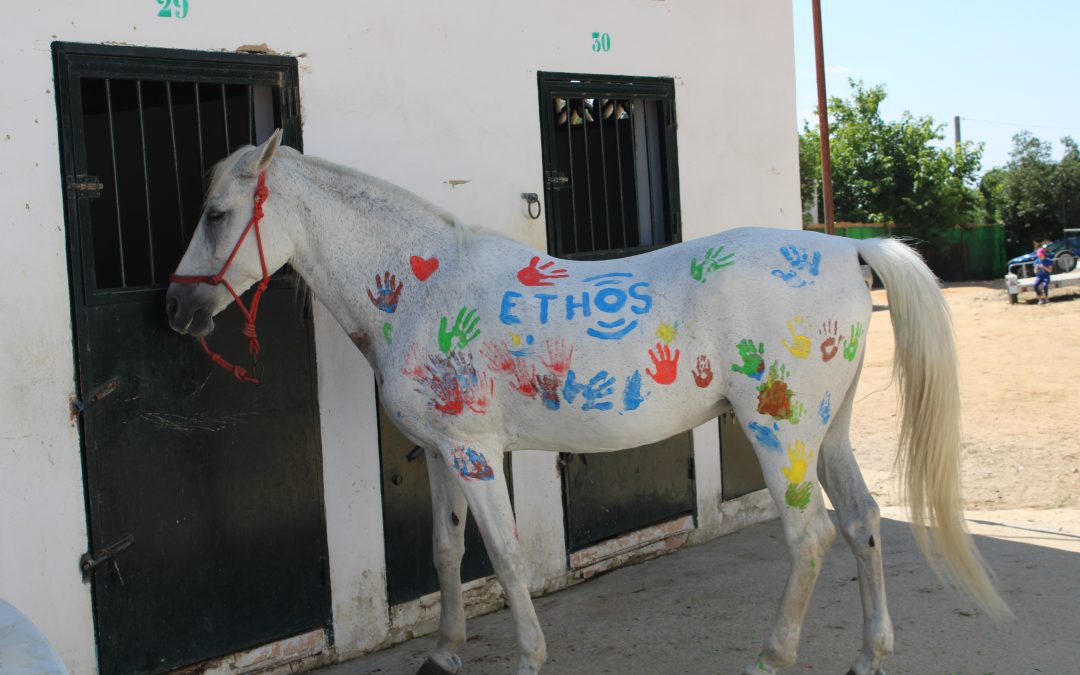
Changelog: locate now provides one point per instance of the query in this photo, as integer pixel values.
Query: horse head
(230, 251)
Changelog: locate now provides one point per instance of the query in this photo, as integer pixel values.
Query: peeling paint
(260, 48)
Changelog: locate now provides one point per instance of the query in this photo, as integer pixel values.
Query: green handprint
(797, 410)
(464, 330)
(851, 348)
(710, 263)
(753, 359)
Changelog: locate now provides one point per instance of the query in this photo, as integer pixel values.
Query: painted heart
(423, 268)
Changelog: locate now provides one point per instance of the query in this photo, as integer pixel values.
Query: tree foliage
(1033, 196)
(893, 171)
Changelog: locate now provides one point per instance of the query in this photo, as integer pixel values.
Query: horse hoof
(431, 668)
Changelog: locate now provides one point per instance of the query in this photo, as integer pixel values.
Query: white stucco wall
(417, 93)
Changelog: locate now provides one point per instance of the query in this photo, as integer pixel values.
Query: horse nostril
(171, 305)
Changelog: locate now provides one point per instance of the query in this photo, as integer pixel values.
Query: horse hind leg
(860, 525)
(787, 462)
(448, 508)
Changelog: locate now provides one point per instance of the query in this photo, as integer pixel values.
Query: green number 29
(177, 9)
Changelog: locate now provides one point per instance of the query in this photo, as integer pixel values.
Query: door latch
(85, 186)
(556, 180)
(87, 562)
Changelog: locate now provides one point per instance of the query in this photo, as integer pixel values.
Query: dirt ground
(1020, 388)
(706, 609)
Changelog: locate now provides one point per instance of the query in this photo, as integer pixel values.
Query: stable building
(156, 512)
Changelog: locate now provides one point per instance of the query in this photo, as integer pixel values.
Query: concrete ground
(706, 610)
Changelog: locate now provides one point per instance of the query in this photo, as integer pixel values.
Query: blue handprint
(798, 261)
(600, 386)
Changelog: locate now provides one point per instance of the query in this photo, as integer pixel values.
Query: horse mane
(464, 234)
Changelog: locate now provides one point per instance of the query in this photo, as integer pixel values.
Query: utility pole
(823, 121)
(956, 130)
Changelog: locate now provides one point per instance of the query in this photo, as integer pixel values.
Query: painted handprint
(825, 408)
(703, 371)
(455, 384)
(667, 331)
(774, 396)
(539, 276)
(799, 459)
(414, 363)
(798, 495)
(600, 386)
(800, 343)
(559, 355)
(710, 263)
(798, 491)
(548, 386)
(852, 346)
(632, 397)
(753, 357)
(471, 464)
(388, 290)
(501, 360)
(464, 330)
(799, 262)
(666, 365)
(830, 345)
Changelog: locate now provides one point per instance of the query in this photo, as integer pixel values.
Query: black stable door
(204, 493)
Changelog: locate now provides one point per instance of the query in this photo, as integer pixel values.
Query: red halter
(261, 193)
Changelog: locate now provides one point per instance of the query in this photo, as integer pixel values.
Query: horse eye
(215, 217)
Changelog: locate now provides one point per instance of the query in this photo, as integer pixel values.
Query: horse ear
(265, 152)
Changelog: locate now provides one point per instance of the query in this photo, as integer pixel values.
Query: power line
(1016, 124)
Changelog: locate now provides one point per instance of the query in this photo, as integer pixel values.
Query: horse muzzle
(190, 309)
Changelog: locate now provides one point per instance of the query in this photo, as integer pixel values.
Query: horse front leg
(477, 470)
(448, 509)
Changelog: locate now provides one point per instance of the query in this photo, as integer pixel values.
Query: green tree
(1034, 197)
(893, 171)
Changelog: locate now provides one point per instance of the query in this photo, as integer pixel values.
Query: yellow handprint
(800, 343)
(799, 458)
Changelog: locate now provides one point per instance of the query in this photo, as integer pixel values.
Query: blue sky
(1001, 66)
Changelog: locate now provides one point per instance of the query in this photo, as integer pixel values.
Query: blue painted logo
(612, 306)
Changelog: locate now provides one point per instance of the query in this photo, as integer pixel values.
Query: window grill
(610, 164)
(148, 138)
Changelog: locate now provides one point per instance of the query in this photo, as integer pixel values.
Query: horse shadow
(707, 608)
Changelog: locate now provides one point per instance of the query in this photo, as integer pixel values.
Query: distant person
(1042, 276)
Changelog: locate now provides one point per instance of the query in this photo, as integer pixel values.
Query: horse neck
(351, 228)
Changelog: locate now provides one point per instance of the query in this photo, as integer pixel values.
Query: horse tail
(928, 458)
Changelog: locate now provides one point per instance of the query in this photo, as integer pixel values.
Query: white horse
(482, 346)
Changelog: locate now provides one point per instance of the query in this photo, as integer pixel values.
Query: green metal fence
(965, 253)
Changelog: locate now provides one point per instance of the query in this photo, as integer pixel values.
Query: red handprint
(703, 371)
(548, 386)
(559, 356)
(537, 276)
(501, 360)
(389, 289)
(478, 394)
(666, 366)
(498, 357)
(830, 345)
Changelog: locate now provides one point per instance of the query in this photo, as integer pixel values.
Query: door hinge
(87, 562)
(85, 186)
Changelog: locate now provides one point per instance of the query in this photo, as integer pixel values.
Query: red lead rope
(261, 193)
